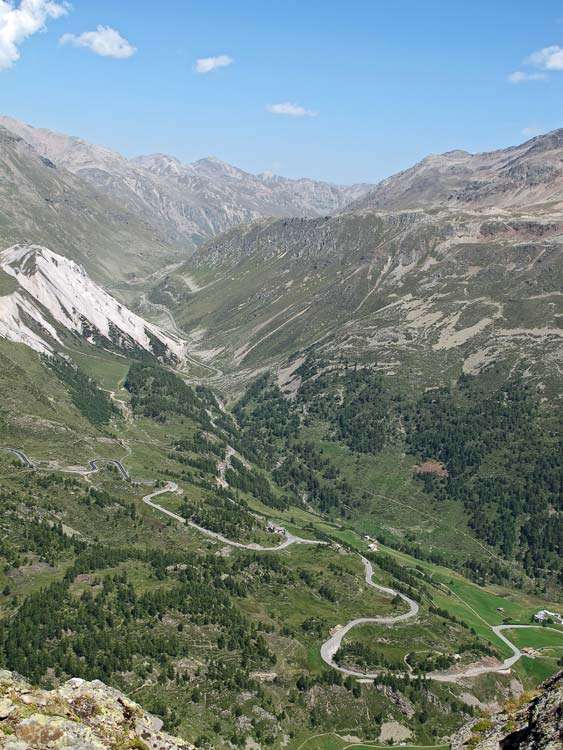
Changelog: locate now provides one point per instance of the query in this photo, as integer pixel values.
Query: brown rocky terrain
(528, 174)
(79, 715)
(533, 725)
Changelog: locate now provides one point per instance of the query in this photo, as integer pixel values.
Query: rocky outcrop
(537, 725)
(79, 715)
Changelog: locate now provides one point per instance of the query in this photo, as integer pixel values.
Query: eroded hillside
(420, 293)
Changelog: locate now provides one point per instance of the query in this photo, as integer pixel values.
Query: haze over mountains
(453, 263)
(184, 204)
(224, 512)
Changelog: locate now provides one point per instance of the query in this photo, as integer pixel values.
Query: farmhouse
(544, 614)
(275, 529)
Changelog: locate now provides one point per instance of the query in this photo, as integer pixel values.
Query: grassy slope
(144, 445)
(420, 294)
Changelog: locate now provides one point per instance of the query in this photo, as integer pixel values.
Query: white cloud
(17, 23)
(548, 58)
(291, 110)
(520, 77)
(207, 64)
(531, 130)
(105, 41)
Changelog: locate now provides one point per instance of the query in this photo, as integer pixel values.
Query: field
(333, 741)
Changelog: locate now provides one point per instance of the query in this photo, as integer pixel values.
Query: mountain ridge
(43, 203)
(184, 204)
(521, 175)
(406, 289)
(52, 293)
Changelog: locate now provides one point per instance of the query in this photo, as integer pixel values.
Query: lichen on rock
(533, 725)
(79, 715)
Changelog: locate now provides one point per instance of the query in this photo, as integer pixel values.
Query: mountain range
(43, 204)
(518, 177)
(449, 265)
(280, 460)
(183, 204)
(421, 275)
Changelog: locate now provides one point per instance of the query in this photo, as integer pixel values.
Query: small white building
(374, 546)
(545, 614)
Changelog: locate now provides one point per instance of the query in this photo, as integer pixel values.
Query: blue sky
(382, 82)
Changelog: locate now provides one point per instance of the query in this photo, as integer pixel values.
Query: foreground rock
(537, 725)
(79, 715)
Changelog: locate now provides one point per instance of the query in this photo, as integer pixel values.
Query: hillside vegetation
(316, 502)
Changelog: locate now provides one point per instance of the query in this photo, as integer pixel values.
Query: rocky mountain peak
(212, 166)
(524, 175)
(159, 163)
(547, 141)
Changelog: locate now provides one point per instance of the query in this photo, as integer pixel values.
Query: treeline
(222, 513)
(503, 463)
(254, 483)
(478, 570)
(365, 657)
(31, 537)
(271, 428)
(159, 394)
(110, 629)
(200, 443)
(501, 451)
(266, 419)
(356, 401)
(85, 394)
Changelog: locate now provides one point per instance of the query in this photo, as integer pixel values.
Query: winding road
(330, 647)
(22, 457)
(477, 670)
(173, 487)
(94, 465)
(109, 462)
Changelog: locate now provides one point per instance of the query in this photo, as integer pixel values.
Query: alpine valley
(280, 459)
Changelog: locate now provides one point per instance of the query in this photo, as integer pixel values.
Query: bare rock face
(53, 293)
(537, 725)
(79, 715)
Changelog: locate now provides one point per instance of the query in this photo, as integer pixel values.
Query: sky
(341, 91)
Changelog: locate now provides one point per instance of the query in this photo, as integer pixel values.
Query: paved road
(331, 646)
(506, 664)
(173, 487)
(22, 457)
(109, 462)
(94, 465)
